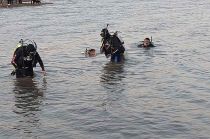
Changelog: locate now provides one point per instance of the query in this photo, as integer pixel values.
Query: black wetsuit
(9, 1)
(24, 59)
(111, 45)
(142, 45)
(118, 49)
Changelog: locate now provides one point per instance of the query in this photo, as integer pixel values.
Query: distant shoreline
(22, 5)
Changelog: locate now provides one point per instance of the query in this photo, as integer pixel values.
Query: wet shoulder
(142, 45)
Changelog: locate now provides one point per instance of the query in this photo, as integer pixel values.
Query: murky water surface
(158, 93)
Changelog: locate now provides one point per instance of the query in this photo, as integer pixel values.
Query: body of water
(156, 93)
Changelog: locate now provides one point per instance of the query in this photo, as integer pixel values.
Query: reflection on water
(28, 99)
(112, 74)
(162, 92)
(111, 80)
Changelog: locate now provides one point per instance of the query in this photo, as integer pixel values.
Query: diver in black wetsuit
(117, 48)
(112, 45)
(146, 43)
(25, 58)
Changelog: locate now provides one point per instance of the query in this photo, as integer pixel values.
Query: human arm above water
(38, 59)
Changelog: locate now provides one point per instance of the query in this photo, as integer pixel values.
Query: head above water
(31, 47)
(90, 52)
(105, 33)
(146, 42)
(28, 42)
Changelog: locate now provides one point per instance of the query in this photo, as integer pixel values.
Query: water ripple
(161, 92)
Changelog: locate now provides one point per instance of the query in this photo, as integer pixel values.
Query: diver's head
(92, 52)
(104, 33)
(31, 50)
(147, 42)
(32, 47)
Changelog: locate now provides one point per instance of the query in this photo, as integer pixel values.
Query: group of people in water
(113, 46)
(26, 57)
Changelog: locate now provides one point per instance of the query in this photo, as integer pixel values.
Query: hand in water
(43, 72)
(107, 56)
(13, 72)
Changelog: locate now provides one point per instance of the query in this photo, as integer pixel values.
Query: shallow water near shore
(156, 93)
(26, 4)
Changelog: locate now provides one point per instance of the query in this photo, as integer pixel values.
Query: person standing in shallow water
(146, 43)
(25, 58)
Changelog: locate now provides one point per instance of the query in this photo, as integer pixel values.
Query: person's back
(118, 48)
(117, 43)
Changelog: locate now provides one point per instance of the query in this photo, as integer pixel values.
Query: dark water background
(157, 93)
